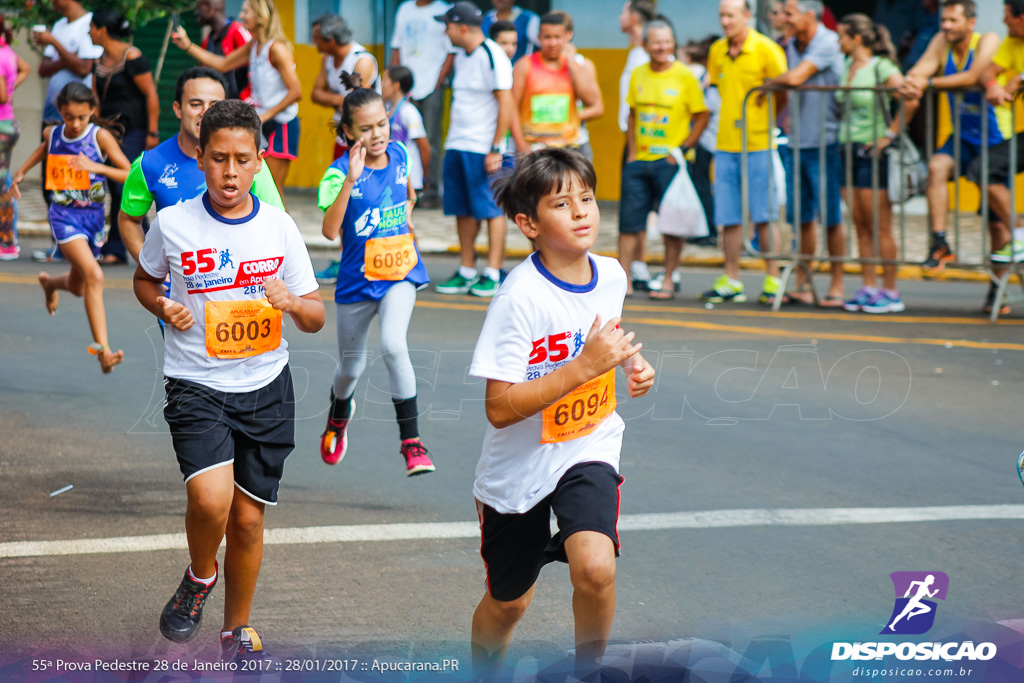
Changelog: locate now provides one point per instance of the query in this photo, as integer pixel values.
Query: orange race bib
(240, 329)
(579, 413)
(390, 258)
(60, 175)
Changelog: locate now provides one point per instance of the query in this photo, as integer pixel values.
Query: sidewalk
(436, 234)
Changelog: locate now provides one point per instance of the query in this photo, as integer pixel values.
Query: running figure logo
(225, 259)
(914, 612)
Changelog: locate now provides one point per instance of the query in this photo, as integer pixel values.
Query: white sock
(225, 634)
(468, 273)
(492, 273)
(198, 580)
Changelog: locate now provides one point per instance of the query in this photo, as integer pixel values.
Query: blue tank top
(84, 144)
(171, 175)
(376, 208)
(974, 104)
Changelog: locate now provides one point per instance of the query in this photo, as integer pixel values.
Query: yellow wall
(606, 139)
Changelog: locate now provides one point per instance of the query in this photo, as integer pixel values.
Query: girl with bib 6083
(367, 198)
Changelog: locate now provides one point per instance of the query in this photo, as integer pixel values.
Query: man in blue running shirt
(168, 173)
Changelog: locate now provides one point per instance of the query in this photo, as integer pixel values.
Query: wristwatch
(495, 149)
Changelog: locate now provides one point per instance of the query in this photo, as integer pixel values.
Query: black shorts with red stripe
(515, 547)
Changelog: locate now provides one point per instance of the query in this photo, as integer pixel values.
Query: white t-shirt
(410, 120)
(74, 37)
(421, 43)
(531, 308)
(228, 260)
(474, 112)
(348, 65)
(636, 57)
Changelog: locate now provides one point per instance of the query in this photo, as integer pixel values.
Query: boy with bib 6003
(548, 350)
(236, 266)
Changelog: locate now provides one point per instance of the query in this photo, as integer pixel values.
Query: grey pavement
(754, 415)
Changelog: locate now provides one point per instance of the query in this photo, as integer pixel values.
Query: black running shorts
(253, 430)
(515, 547)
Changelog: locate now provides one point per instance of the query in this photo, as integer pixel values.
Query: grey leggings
(394, 310)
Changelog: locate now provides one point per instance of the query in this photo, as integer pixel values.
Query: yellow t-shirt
(663, 103)
(760, 59)
(1010, 57)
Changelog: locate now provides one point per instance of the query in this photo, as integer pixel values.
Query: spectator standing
(590, 70)
(740, 61)
(666, 110)
(406, 122)
(480, 115)
(700, 167)
(13, 71)
(814, 59)
(526, 22)
(419, 43)
(1006, 68)
(505, 35)
(68, 55)
(226, 35)
(956, 58)
(634, 16)
(341, 55)
(870, 63)
(276, 90)
(545, 88)
(123, 82)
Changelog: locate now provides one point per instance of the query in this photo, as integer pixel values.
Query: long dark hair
(76, 93)
(6, 33)
(357, 98)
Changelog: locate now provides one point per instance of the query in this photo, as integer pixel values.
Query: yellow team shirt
(760, 59)
(1010, 57)
(663, 103)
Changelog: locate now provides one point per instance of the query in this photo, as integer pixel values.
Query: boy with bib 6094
(236, 266)
(548, 350)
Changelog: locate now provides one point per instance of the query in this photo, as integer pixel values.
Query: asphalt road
(837, 417)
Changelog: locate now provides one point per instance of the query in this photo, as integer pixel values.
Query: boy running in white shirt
(236, 267)
(548, 350)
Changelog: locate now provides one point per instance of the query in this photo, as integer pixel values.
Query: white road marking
(710, 519)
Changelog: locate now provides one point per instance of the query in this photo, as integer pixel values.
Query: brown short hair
(537, 175)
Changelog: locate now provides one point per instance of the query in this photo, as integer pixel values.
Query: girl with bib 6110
(367, 198)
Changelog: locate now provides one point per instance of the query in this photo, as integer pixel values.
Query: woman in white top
(276, 90)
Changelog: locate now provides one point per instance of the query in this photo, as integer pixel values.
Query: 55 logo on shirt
(554, 350)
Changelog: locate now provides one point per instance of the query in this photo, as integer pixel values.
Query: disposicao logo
(914, 614)
(916, 592)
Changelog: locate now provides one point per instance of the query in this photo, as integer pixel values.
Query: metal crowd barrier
(794, 259)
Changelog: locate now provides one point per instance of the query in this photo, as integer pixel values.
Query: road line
(802, 334)
(364, 533)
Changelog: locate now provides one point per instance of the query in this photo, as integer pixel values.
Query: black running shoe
(180, 619)
(937, 259)
(243, 644)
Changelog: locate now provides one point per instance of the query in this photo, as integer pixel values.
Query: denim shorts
(862, 160)
(810, 184)
(728, 188)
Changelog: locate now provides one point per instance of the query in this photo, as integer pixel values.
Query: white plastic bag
(680, 213)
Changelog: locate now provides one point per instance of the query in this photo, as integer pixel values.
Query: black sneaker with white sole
(181, 616)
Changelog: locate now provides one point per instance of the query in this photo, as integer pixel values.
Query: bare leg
(85, 279)
(206, 516)
(279, 169)
(592, 570)
(836, 247)
(862, 205)
(496, 242)
(763, 232)
(467, 227)
(493, 624)
(732, 247)
(673, 250)
(630, 249)
(940, 168)
(242, 559)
